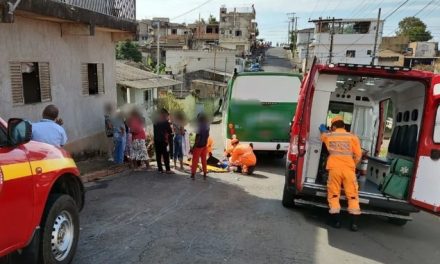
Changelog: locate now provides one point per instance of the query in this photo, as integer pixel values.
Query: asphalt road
(276, 61)
(146, 217)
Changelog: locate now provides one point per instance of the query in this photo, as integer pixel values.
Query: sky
(272, 14)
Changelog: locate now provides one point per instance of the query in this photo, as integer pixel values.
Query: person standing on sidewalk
(49, 129)
(162, 132)
(119, 137)
(139, 153)
(179, 131)
(108, 112)
(200, 150)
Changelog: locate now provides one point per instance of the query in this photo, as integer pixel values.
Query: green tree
(128, 50)
(212, 19)
(414, 28)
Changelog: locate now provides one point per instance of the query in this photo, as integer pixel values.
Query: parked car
(41, 196)
(255, 67)
(402, 171)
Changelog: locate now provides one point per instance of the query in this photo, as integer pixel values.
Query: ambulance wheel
(60, 232)
(288, 197)
(397, 221)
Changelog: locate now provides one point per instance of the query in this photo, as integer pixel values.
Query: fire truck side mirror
(19, 131)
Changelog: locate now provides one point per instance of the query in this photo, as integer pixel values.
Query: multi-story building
(62, 52)
(238, 29)
(204, 34)
(171, 35)
(303, 40)
(345, 40)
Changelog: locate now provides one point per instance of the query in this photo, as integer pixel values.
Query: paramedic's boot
(334, 220)
(354, 223)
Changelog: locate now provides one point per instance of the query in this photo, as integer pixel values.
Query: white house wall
(196, 60)
(29, 40)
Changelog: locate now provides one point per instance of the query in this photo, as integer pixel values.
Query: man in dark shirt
(162, 130)
(200, 150)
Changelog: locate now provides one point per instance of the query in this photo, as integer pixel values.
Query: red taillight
(231, 129)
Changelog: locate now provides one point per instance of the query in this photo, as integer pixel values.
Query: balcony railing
(125, 9)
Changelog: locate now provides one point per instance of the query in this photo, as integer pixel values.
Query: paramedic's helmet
(337, 122)
(336, 118)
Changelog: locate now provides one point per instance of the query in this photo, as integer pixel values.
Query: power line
(192, 10)
(428, 4)
(395, 10)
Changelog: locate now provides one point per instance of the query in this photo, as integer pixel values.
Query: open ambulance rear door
(425, 192)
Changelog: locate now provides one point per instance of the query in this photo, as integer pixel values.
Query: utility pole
(291, 17)
(332, 33)
(376, 38)
(158, 48)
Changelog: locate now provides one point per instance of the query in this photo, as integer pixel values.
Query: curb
(97, 175)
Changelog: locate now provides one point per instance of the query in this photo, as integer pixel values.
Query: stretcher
(210, 168)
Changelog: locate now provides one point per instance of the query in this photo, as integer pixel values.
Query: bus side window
(437, 126)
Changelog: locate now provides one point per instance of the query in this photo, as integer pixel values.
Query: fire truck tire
(288, 198)
(60, 230)
(397, 221)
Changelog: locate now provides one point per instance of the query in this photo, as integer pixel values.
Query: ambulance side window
(437, 126)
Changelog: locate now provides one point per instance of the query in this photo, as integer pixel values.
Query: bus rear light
(231, 129)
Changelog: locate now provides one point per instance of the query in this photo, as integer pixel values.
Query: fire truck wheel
(60, 233)
(288, 198)
(397, 221)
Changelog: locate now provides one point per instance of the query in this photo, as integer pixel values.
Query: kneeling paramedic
(243, 157)
(345, 153)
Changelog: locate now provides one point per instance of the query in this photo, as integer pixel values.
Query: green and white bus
(260, 107)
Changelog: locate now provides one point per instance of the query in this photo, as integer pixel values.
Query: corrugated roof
(133, 77)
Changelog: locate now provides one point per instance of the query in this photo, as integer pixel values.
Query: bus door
(425, 192)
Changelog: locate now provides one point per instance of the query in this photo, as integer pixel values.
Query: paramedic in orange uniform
(344, 154)
(243, 157)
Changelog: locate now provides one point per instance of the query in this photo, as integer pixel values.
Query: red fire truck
(41, 195)
(395, 112)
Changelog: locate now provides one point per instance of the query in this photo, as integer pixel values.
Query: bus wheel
(288, 197)
(397, 221)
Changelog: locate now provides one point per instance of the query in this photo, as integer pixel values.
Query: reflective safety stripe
(340, 153)
(26, 169)
(340, 135)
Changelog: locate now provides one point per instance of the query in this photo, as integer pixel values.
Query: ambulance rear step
(364, 212)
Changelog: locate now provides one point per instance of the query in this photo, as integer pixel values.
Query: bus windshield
(266, 88)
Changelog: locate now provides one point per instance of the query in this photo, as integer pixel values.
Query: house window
(30, 82)
(350, 54)
(369, 52)
(238, 33)
(92, 78)
(174, 31)
(224, 19)
(147, 96)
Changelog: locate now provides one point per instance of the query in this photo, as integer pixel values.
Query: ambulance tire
(288, 197)
(397, 221)
(61, 216)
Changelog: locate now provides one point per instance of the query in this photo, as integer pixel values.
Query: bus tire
(288, 200)
(397, 221)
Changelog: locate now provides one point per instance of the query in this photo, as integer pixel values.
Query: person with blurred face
(200, 150)
(49, 129)
(162, 132)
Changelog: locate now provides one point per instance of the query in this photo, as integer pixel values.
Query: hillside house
(62, 52)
